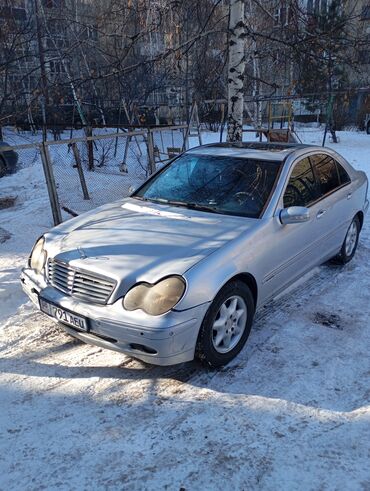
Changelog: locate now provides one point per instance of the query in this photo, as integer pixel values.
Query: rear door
(334, 188)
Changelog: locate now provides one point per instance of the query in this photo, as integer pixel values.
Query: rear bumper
(162, 340)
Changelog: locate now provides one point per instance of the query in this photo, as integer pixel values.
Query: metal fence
(166, 142)
(86, 172)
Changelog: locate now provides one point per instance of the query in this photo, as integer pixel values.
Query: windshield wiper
(184, 204)
(192, 206)
(151, 200)
(139, 197)
(163, 201)
(197, 206)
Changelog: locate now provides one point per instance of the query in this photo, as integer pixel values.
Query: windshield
(227, 185)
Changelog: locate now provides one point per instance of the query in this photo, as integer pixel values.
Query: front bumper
(161, 340)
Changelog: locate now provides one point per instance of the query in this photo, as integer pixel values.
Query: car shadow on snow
(284, 360)
(294, 354)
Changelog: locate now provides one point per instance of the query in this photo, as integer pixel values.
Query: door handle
(320, 213)
(349, 195)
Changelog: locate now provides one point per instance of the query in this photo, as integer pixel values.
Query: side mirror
(131, 189)
(294, 214)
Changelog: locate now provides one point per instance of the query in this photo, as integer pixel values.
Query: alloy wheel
(229, 324)
(351, 238)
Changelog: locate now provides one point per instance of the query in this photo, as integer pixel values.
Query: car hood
(134, 241)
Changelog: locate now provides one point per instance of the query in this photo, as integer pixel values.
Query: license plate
(63, 315)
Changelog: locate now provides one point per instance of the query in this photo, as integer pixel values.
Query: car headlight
(38, 256)
(155, 299)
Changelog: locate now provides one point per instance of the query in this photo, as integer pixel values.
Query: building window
(365, 12)
(53, 3)
(56, 67)
(317, 7)
(282, 15)
(364, 57)
(90, 32)
(17, 4)
(277, 17)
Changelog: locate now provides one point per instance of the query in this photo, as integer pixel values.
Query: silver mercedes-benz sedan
(178, 269)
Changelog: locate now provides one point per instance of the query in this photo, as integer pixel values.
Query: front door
(301, 246)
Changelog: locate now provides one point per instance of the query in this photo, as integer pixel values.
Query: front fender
(239, 256)
(205, 280)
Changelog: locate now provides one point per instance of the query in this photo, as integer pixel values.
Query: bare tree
(90, 56)
(235, 81)
(17, 66)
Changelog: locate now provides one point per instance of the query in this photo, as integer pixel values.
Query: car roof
(253, 150)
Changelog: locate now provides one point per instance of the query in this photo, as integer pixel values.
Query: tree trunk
(235, 81)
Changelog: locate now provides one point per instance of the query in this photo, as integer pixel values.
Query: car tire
(3, 167)
(368, 128)
(226, 325)
(350, 242)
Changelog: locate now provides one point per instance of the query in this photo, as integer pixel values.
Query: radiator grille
(80, 284)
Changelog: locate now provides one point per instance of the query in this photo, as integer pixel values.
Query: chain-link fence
(86, 172)
(26, 180)
(166, 142)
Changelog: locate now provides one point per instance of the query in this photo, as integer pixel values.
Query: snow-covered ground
(291, 412)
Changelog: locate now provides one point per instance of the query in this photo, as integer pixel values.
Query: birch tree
(235, 81)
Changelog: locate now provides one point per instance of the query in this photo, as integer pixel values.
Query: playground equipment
(280, 122)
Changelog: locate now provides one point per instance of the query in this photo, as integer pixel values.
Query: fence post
(125, 153)
(150, 146)
(77, 157)
(50, 182)
(90, 149)
(185, 145)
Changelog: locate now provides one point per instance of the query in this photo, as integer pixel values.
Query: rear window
(326, 172)
(343, 175)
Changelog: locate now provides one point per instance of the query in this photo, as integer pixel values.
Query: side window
(301, 188)
(326, 173)
(343, 176)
